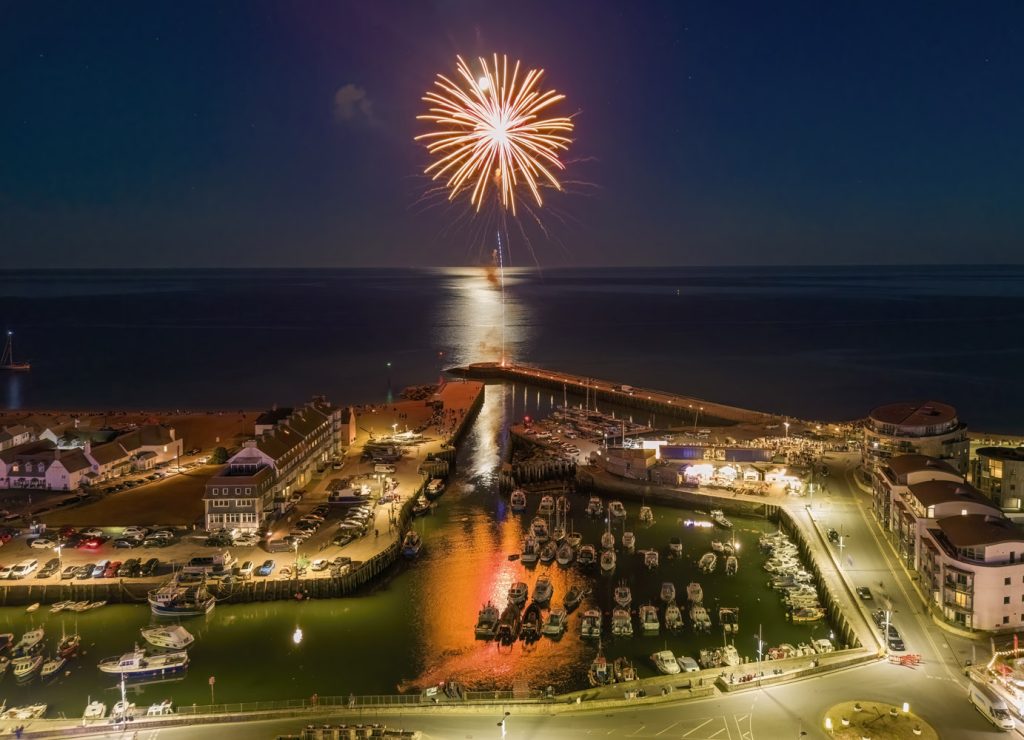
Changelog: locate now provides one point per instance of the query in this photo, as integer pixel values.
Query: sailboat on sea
(7, 358)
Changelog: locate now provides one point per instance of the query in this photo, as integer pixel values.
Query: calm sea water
(809, 342)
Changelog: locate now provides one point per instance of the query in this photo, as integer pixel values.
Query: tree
(219, 456)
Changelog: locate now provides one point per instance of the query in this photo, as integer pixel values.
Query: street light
(786, 424)
(501, 724)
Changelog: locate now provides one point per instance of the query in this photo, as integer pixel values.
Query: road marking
(667, 728)
(687, 734)
(744, 720)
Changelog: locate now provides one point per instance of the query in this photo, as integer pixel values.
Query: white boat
(595, 507)
(717, 546)
(487, 621)
(730, 657)
(531, 550)
(518, 593)
(546, 507)
(562, 506)
(708, 562)
(718, 517)
(646, 515)
(822, 645)
(587, 555)
(173, 637)
(518, 500)
(732, 564)
(623, 595)
(434, 488)
(628, 541)
(668, 591)
(608, 560)
(136, 664)
(412, 543)
(78, 606)
(565, 554)
(574, 538)
(174, 599)
(651, 559)
(29, 642)
(94, 710)
(649, 619)
(123, 709)
(158, 710)
(729, 618)
(665, 661)
(29, 711)
(600, 672)
(694, 593)
(616, 510)
(591, 624)
(575, 595)
(52, 667)
(607, 539)
(556, 622)
(543, 590)
(24, 668)
(673, 617)
(539, 528)
(32, 608)
(699, 617)
(622, 623)
(96, 604)
(548, 552)
(60, 606)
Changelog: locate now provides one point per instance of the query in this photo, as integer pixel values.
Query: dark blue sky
(211, 134)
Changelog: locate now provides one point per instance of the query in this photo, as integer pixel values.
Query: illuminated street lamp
(501, 724)
(786, 424)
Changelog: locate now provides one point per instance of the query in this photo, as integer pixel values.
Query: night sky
(209, 134)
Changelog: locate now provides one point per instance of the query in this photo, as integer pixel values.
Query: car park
(150, 567)
(155, 542)
(50, 568)
(42, 543)
(127, 542)
(322, 510)
(267, 568)
(864, 593)
(69, 572)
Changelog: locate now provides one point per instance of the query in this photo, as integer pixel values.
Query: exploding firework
(490, 130)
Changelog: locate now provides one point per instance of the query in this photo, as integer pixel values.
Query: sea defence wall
(716, 414)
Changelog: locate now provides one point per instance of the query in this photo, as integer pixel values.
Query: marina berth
(565, 554)
(628, 541)
(608, 560)
(590, 625)
(518, 593)
(622, 623)
(543, 590)
(548, 552)
(668, 591)
(623, 596)
(673, 617)
(555, 624)
(649, 619)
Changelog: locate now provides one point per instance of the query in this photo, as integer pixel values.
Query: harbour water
(414, 628)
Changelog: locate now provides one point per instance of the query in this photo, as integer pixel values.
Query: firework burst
(490, 132)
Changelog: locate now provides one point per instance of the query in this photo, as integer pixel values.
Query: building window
(1006, 620)
(1006, 581)
(221, 504)
(1006, 599)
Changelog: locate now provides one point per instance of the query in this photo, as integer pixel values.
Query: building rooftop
(924, 414)
(274, 415)
(935, 492)
(1008, 454)
(973, 530)
(902, 465)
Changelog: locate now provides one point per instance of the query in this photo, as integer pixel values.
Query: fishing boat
(729, 618)
(95, 605)
(548, 552)
(518, 593)
(730, 656)
(562, 506)
(595, 507)
(622, 623)
(530, 629)
(539, 528)
(710, 658)
(623, 669)
(628, 541)
(717, 546)
(29, 642)
(518, 500)
(136, 664)
(52, 667)
(412, 543)
(574, 538)
(608, 560)
(668, 591)
(531, 550)
(651, 559)
(646, 515)
(673, 617)
(732, 564)
(675, 547)
(574, 596)
(508, 624)
(7, 360)
(78, 606)
(174, 599)
(555, 624)
(94, 710)
(607, 538)
(822, 645)
(421, 507)
(29, 711)
(25, 667)
(565, 554)
(546, 507)
(708, 562)
(543, 590)
(600, 672)
(587, 556)
(60, 606)
(616, 510)
(173, 637)
(665, 661)
(623, 596)
(591, 623)
(68, 645)
(434, 488)
(558, 531)
(649, 619)
(487, 621)
(699, 617)
(808, 614)
(694, 593)
(718, 517)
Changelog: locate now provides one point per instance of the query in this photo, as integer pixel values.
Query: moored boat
(543, 590)
(708, 562)
(539, 528)
(421, 507)
(518, 593)
(412, 543)
(25, 667)
(616, 510)
(668, 591)
(600, 672)
(628, 541)
(530, 629)
(675, 547)
(718, 517)
(574, 538)
(622, 623)
(699, 617)
(60, 606)
(548, 552)
(651, 559)
(608, 560)
(673, 617)
(177, 600)
(518, 500)
(574, 596)
(591, 624)
(665, 661)
(646, 515)
(508, 624)
(729, 618)
(172, 637)
(595, 507)
(29, 711)
(623, 596)
(649, 619)
(434, 488)
(565, 554)
(530, 551)
(94, 710)
(29, 642)
(69, 645)
(32, 608)
(6, 639)
(623, 669)
(487, 621)
(52, 667)
(729, 656)
(136, 664)
(556, 622)
(732, 564)
(694, 593)
(808, 614)
(546, 507)
(587, 556)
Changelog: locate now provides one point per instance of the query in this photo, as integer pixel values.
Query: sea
(809, 342)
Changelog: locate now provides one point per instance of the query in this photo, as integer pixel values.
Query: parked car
(155, 542)
(129, 568)
(52, 566)
(267, 568)
(864, 592)
(150, 567)
(5, 571)
(342, 539)
(69, 572)
(895, 640)
(111, 570)
(84, 572)
(127, 542)
(322, 510)
(91, 543)
(100, 568)
(832, 535)
(193, 451)
(164, 534)
(139, 532)
(42, 543)
(245, 569)
(92, 532)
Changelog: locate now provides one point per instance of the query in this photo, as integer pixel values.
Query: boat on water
(123, 709)
(69, 645)
(608, 560)
(562, 506)
(60, 606)
(32, 608)
(412, 543)
(539, 528)
(729, 618)
(675, 547)
(518, 500)
(174, 599)
(574, 538)
(136, 664)
(574, 596)
(94, 710)
(487, 621)
(623, 669)
(732, 564)
(822, 645)
(668, 591)
(421, 507)
(434, 488)
(25, 667)
(717, 546)
(6, 639)
(718, 517)
(616, 510)
(646, 515)
(78, 606)
(509, 623)
(546, 507)
(95, 605)
(555, 624)
(52, 667)
(549, 551)
(699, 617)
(729, 656)
(7, 360)
(607, 538)
(600, 673)
(590, 626)
(623, 596)
(665, 661)
(651, 559)
(628, 541)
(710, 658)
(649, 619)
(808, 614)
(543, 590)
(531, 550)
(673, 616)
(622, 622)
(29, 711)
(694, 593)
(587, 555)
(595, 507)
(160, 709)
(518, 593)
(708, 562)
(29, 642)
(173, 637)
(565, 554)
(530, 628)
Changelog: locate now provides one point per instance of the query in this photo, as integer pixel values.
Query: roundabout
(871, 720)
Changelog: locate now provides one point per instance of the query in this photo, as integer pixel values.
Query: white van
(991, 705)
(383, 468)
(24, 568)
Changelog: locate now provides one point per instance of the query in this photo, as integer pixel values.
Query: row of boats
(794, 582)
(27, 658)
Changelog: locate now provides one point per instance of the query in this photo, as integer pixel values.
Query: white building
(928, 428)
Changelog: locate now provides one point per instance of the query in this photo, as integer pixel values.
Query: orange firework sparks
(490, 129)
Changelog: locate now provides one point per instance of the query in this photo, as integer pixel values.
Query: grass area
(878, 721)
(177, 500)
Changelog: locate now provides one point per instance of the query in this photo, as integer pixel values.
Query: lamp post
(786, 424)
(59, 564)
(501, 723)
